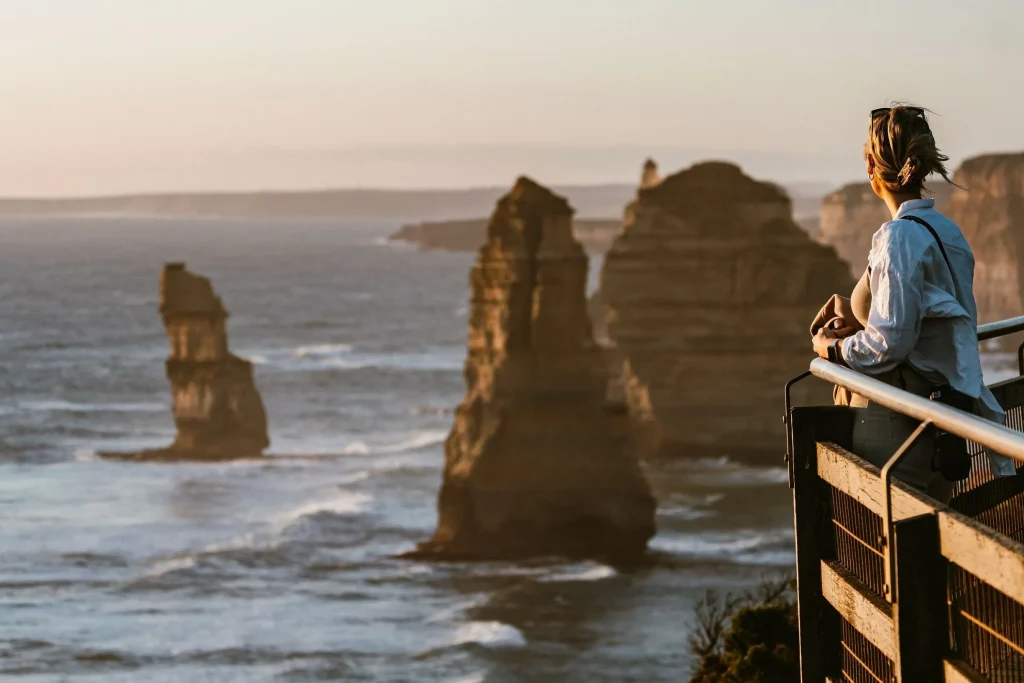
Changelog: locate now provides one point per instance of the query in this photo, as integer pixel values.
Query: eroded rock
(217, 410)
(706, 297)
(536, 462)
(991, 214)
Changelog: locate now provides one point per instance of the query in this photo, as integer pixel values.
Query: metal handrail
(982, 432)
(1000, 328)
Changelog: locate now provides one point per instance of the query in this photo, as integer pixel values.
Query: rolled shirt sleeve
(897, 295)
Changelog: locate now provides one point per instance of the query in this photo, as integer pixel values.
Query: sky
(117, 96)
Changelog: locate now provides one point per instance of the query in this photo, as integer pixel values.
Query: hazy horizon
(120, 97)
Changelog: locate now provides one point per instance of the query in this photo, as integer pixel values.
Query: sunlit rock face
(217, 410)
(536, 462)
(851, 216)
(705, 300)
(990, 211)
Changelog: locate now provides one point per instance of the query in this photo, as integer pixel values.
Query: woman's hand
(822, 339)
(837, 315)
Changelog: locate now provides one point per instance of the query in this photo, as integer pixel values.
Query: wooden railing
(956, 608)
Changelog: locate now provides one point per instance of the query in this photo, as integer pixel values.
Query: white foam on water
(238, 543)
(415, 442)
(458, 609)
(86, 455)
(321, 350)
(258, 360)
(744, 546)
(353, 478)
(491, 634)
(342, 503)
(471, 678)
(356, 448)
(684, 512)
(172, 564)
(584, 571)
(62, 406)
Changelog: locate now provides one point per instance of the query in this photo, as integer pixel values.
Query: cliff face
(706, 296)
(991, 215)
(536, 463)
(851, 215)
(217, 410)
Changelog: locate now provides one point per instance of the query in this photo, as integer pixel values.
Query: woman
(912, 320)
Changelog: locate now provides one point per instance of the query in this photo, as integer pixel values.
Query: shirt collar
(915, 205)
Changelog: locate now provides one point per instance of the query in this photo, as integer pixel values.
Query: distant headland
(590, 201)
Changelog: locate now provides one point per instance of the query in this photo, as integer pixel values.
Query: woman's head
(900, 152)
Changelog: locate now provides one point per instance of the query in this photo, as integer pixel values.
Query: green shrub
(748, 638)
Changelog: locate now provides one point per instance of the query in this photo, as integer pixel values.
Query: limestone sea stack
(851, 215)
(991, 214)
(217, 410)
(536, 462)
(706, 297)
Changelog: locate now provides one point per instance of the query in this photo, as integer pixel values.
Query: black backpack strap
(938, 241)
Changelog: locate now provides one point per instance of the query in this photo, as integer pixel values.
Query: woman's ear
(869, 162)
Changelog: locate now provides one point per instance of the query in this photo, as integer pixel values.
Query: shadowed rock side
(536, 461)
(851, 215)
(705, 298)
(217, 409)
(991, 215)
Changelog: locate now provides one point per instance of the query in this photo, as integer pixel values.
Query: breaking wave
(490, 634)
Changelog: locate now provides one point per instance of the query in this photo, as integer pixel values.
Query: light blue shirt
(916, 309)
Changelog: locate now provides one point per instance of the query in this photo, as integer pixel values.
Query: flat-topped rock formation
(991, 214)
(596, 235)
(536, 462)
(217, 410)
(851, 215)
(706, 297)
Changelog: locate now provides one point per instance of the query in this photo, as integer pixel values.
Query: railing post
(820, 632)
(920, 614)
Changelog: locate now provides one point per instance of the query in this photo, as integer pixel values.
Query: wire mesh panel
(862, 661)
(988, 628)
(858, 540)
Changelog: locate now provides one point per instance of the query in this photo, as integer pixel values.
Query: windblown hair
(903, 149)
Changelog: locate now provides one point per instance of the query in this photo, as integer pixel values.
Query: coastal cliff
(851, 215)
(536, 462)
(991, 214)
(217, 410)
(705, 297)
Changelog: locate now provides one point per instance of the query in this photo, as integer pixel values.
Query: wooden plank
(862, 480)
(866, 612)
(920, 613)
(960, 672)
(820, 629)
(989, 555)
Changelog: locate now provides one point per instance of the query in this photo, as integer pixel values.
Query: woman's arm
(897, 294)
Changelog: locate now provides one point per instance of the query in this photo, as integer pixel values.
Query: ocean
(285, 569)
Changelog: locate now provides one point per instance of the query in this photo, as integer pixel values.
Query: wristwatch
(835, 352)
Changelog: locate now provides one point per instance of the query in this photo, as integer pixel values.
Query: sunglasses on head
(914, 111)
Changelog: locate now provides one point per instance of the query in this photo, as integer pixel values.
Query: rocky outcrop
(851, 215)
(596, 235)
(991, 214)
(536, 462)
(706, 296)
(217, 409)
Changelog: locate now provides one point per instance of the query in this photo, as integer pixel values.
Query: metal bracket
(1020, 359)
(789, 427)
(887, 524)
